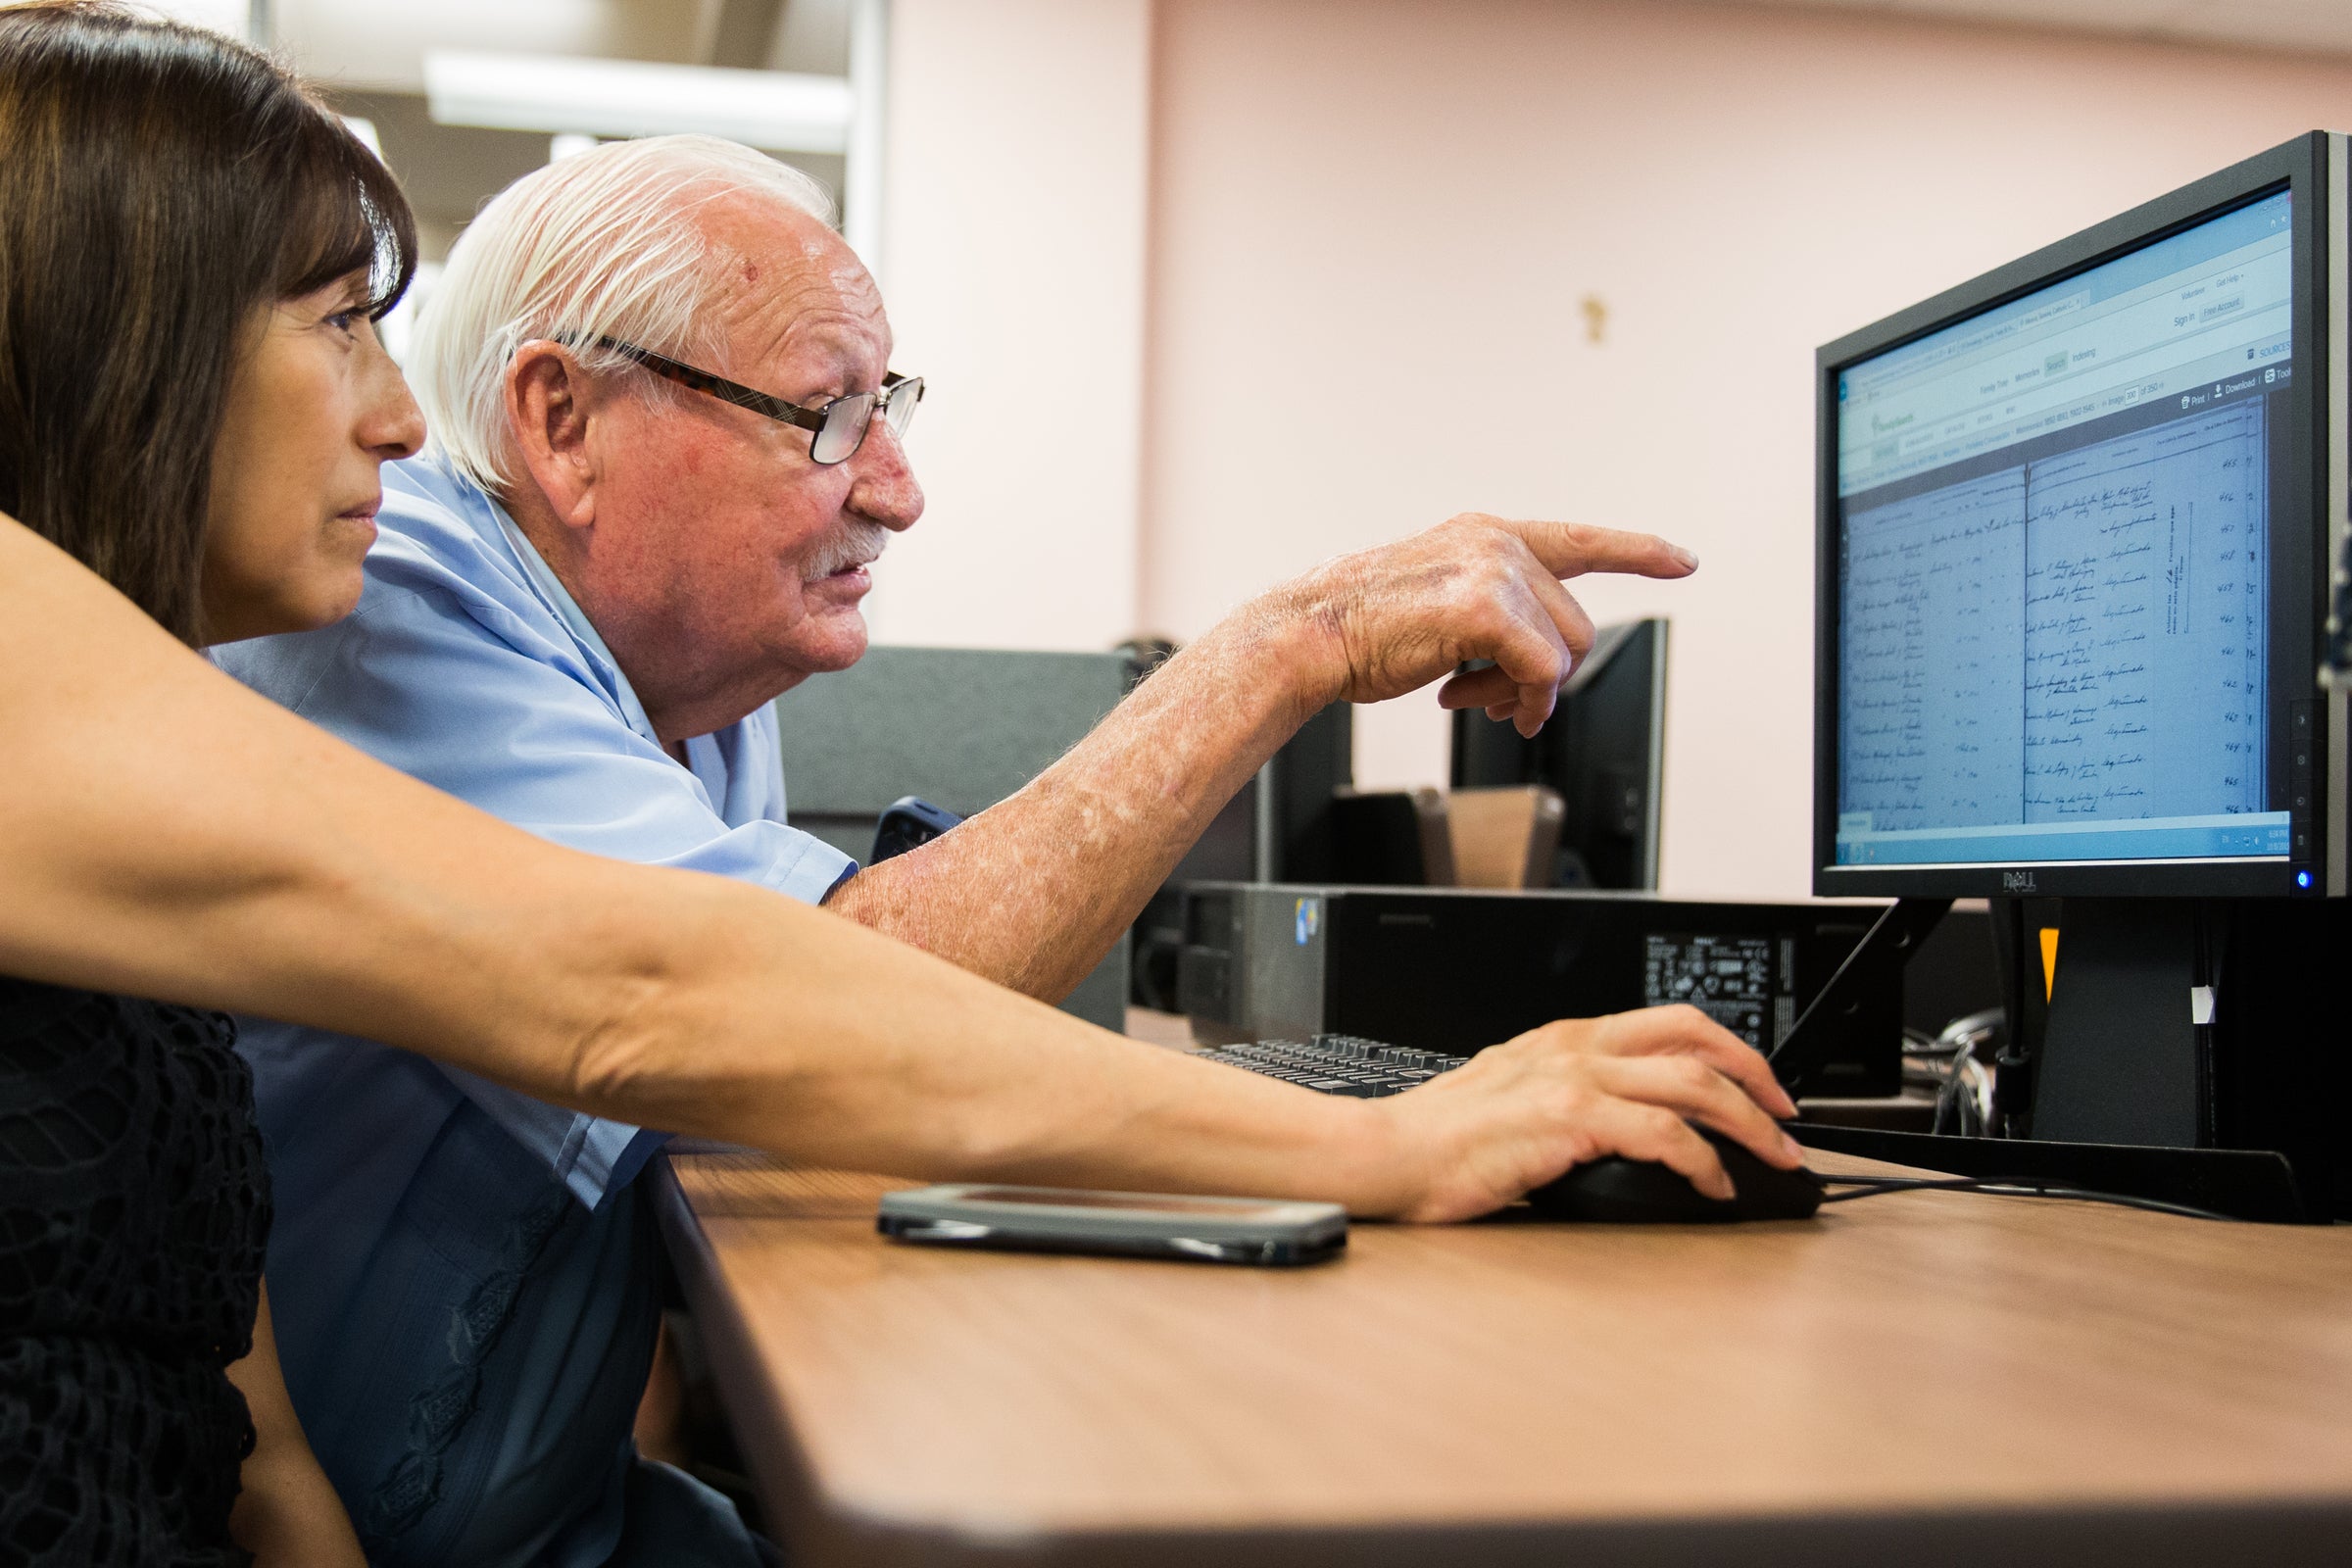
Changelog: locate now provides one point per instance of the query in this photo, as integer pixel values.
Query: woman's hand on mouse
(1521, 1113)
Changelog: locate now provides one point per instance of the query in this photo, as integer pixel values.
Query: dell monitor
(2338, 672)
(1603, 750)
(2076, 525)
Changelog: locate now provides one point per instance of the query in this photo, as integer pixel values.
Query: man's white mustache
(859, 543)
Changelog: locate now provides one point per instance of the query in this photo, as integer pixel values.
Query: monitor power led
(2053, 560)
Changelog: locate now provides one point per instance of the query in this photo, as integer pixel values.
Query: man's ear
(550, 405)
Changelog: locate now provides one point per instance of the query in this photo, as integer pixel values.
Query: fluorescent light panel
(780, 111)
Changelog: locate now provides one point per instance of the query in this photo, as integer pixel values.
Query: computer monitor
(2074, 527)
(2338, 670)
(1604, 750)
(2069, 545)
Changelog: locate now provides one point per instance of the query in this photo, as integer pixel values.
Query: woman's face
(315, 409)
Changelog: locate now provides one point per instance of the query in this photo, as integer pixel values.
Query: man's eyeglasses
(838, 426)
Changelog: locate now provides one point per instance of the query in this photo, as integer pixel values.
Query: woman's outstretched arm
(166, 833)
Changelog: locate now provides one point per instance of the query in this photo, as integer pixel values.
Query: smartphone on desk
(1269, 1232)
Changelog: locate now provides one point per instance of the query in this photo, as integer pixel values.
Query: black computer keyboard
(1337, 1064)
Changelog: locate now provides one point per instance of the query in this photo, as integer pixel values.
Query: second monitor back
(1604, 750)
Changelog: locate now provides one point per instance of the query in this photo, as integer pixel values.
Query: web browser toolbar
(2067, 362)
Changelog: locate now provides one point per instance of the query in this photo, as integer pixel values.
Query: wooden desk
(1929, 1378)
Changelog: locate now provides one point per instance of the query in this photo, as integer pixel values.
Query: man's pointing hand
(1396, 618)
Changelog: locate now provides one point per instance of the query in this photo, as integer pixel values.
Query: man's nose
(883, 487)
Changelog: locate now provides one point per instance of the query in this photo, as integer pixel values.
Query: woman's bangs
(349, 216)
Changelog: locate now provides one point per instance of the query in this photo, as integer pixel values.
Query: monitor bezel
(2297, 531)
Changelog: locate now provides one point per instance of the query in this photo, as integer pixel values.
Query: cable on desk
(2002, 1187)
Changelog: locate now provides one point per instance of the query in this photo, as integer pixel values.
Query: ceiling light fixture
(775, 110)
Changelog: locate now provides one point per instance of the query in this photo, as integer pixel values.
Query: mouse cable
(2002, 1187)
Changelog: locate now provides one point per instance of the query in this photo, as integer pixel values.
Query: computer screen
(2054, 575)
(1604, 750)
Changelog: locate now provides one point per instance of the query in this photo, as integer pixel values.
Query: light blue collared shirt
(462, 1282)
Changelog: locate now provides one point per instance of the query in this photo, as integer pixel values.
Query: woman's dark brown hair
(158, 183)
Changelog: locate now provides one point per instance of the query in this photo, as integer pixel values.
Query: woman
(192, 252)
(193, 403)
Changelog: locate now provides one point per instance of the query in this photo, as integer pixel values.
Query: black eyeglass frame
(885, 403)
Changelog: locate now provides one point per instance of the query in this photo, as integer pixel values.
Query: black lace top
(133, 1208)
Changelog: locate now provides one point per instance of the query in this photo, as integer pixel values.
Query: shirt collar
(558, 598)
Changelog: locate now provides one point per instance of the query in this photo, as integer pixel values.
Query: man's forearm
(1032, 892)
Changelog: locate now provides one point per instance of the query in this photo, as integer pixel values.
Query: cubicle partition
(962, 728)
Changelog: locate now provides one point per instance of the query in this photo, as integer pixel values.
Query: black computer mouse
(1635, 1192)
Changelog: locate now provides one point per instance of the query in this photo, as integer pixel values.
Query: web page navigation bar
(2084, 354)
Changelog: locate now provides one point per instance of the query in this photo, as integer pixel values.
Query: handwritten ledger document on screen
(2119, 589)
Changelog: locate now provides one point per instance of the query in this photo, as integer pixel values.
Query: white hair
(604, 243)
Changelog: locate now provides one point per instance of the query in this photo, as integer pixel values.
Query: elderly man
(668, 450)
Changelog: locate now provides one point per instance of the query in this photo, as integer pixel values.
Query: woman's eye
(346, 322)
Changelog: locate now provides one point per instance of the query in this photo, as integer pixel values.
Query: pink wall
(1372, 220)
(1016, 185)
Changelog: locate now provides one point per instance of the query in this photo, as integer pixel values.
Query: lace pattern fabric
(135, 1208)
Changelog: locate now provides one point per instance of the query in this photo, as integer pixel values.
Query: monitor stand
(2121, 1076)
(2123, 1055)
(1876, 961)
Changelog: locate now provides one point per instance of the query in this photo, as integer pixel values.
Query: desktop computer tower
(1457, 969)
(1281, 827)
